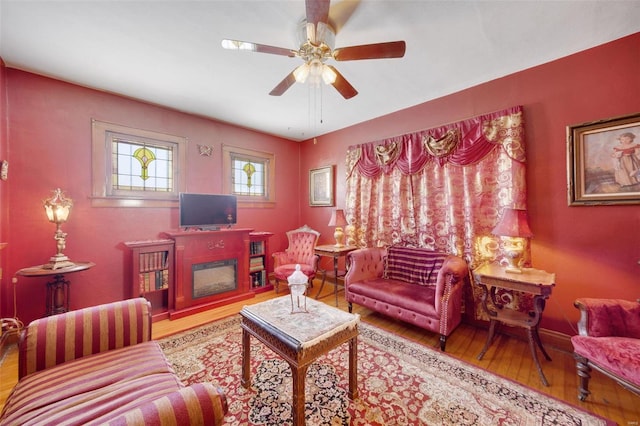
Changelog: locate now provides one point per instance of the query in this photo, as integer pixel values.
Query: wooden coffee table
(299, 339)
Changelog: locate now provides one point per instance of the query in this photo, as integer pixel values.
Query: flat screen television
(207, 211)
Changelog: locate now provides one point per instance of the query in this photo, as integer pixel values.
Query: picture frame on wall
(321, 186)
(603, 161)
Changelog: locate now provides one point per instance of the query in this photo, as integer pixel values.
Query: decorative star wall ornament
(205, 150)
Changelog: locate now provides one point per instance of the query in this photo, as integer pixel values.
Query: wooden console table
(58, 289)
(535, 282)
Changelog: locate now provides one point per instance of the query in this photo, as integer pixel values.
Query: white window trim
(269, 200)
(102, 168)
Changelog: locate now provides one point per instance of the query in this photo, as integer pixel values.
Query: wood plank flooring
(508, 356)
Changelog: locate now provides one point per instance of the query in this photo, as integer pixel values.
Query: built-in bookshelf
(152, 274)
(259, 261)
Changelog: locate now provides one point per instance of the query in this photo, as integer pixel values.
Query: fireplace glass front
(212, 278)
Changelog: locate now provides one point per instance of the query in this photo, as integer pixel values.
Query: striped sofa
(98, 365)
(414, 285)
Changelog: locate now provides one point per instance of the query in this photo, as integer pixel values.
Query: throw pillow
(413, 265)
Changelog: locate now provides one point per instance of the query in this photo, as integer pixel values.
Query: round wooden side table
(58, 288)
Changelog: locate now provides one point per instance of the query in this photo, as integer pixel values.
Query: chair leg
(443, 342)
(584, 372)
(277, 286)
(324, 277)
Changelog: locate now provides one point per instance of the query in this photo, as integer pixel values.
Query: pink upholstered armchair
(302, 242)
(608, 341)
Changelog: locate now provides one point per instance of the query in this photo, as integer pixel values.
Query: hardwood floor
(508, 357)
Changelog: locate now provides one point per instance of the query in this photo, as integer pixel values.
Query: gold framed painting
(603, 161)
(321, 186)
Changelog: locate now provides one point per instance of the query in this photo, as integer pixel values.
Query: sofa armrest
(608, 317)
(452, 274)
(365, 264)
(200, 404)
(52, 340)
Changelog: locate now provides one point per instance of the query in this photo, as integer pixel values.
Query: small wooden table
(299, 339)
(491, 278)
(334, 252)
(58, 289)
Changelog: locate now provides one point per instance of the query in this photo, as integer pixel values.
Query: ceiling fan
(316, 37)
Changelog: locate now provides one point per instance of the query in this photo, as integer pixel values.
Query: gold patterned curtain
(442, 188)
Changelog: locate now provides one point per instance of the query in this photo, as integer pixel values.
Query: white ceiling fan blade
(256, 47)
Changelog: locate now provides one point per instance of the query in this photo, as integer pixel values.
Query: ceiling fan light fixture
(315, 68)
(301, 73)
(328, 75)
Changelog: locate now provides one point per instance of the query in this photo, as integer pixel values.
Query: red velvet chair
(608, 341)
(302, 242)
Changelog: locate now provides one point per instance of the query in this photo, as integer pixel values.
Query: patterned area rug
(400, 383)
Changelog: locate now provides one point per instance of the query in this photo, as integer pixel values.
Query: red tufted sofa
(415, 285)
(98, 365)
(608, 341)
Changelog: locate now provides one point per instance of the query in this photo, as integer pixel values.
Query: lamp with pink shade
(514, 229)
(338, 221)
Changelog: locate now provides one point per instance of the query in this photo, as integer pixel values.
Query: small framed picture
(321, 186)
(603, 161)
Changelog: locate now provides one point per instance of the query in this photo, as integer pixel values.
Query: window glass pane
(137, 168)
(248, 177)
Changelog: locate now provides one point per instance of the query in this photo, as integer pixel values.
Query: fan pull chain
(309, 103)
(321, 103)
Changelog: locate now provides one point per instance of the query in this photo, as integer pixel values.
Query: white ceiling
(169, 52)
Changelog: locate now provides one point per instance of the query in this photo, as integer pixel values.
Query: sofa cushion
(284, 271)
(92, 389)
(615, 354)
(413, 265)
(398, 294)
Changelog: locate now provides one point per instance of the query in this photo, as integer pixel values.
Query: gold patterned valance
(443, 146)
(462, 143)
(508, 131)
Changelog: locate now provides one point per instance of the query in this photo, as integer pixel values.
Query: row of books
(256, 264)
(153, 261)
(154, 280)
(256, 247)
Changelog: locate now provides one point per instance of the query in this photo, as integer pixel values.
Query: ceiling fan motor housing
(315, 42)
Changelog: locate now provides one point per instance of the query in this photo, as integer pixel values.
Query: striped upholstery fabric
(92, 388)
(59, 338)
(413, 265)
(99, 366)
(195, 405)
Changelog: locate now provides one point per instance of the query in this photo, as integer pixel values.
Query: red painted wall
(49, 134)
(3, 192)
(594, 251)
